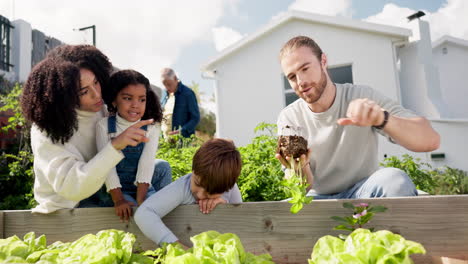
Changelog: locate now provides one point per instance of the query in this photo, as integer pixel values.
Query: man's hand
(363, 112)
(208, 205)
(286, 161)
(305, 170)
(132, 136)
(142, 190)
(175, 132)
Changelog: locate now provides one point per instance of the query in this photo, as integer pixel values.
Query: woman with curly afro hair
(62, 99)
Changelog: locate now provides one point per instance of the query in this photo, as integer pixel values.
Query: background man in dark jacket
(180, 107)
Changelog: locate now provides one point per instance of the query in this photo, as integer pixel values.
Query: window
(5, 29)
(340, 74)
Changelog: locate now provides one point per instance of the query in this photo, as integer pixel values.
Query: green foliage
(5, 85)
(10, 102)
(16, 181)
(107, 246)
(261, 177)
(296, 188)
(440, 181)
(208, 247)
(116, 246)
(207, 122)
(451, 181)
(362, 214)
(17, 122)
(179, 152)
(364, 246)
(419, 172)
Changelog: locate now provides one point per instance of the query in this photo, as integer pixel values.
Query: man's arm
(194, 114)
(413, 133)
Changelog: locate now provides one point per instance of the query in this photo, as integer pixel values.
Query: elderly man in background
(180, 107)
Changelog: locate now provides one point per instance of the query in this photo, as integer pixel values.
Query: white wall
(453, 71)
(21, 49)
(453, 143)
(250, 80)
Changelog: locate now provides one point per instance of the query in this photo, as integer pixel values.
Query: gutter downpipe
(396, 45)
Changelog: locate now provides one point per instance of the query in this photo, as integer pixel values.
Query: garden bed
(440, 223)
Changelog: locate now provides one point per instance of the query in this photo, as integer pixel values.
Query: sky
(147, 35)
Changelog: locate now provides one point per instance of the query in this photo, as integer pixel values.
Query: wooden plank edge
(2, 226)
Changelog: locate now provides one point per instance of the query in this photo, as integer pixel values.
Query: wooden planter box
(440, 223)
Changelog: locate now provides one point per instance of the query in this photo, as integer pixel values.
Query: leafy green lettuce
(209, 247)
(363, 246)
(106, 247)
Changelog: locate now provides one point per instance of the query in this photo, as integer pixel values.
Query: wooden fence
(440, 223)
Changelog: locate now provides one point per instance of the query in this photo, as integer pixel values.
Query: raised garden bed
(440, 223)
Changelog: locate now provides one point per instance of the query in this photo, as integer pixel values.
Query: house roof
(309, 17)
(450, 39)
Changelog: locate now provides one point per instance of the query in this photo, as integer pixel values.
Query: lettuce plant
(209, 247)
(363, 246)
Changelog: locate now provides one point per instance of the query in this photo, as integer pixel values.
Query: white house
(250, 87)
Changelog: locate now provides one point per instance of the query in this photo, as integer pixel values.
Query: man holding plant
(341, 123)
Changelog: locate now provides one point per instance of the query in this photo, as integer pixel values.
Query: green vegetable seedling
(296, 187)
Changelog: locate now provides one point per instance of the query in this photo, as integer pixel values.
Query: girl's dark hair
(50, 98)
(121, 79)
(88, 57)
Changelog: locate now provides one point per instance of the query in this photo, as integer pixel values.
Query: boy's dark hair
(217, 163)
(50, 98)
(88, 57)
(121, 79)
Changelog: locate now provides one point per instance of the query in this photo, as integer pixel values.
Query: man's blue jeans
(386, 182)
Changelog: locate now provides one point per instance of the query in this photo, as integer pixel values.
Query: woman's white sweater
(68, 173)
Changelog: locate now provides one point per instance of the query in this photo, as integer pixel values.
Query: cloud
(450, 19)
(330, 7)
(145, 35)
(223, 37)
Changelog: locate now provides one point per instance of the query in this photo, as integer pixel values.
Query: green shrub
(420, 173)
(16, 181)
(261, 175)
(451, 181)
(178, 151)
(440, 181)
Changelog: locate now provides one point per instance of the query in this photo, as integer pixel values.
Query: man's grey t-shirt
(149, 214)
(341, 155)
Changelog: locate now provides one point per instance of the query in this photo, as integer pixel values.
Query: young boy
(215, 169)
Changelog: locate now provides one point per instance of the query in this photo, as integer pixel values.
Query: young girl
(62, 99)
(130, 100)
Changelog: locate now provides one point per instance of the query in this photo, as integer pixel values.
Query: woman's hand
(208, 205)
(132, 136)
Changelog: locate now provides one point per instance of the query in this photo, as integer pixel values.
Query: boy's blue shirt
(149, 215)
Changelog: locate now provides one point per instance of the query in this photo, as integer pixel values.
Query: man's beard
(317, 89)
